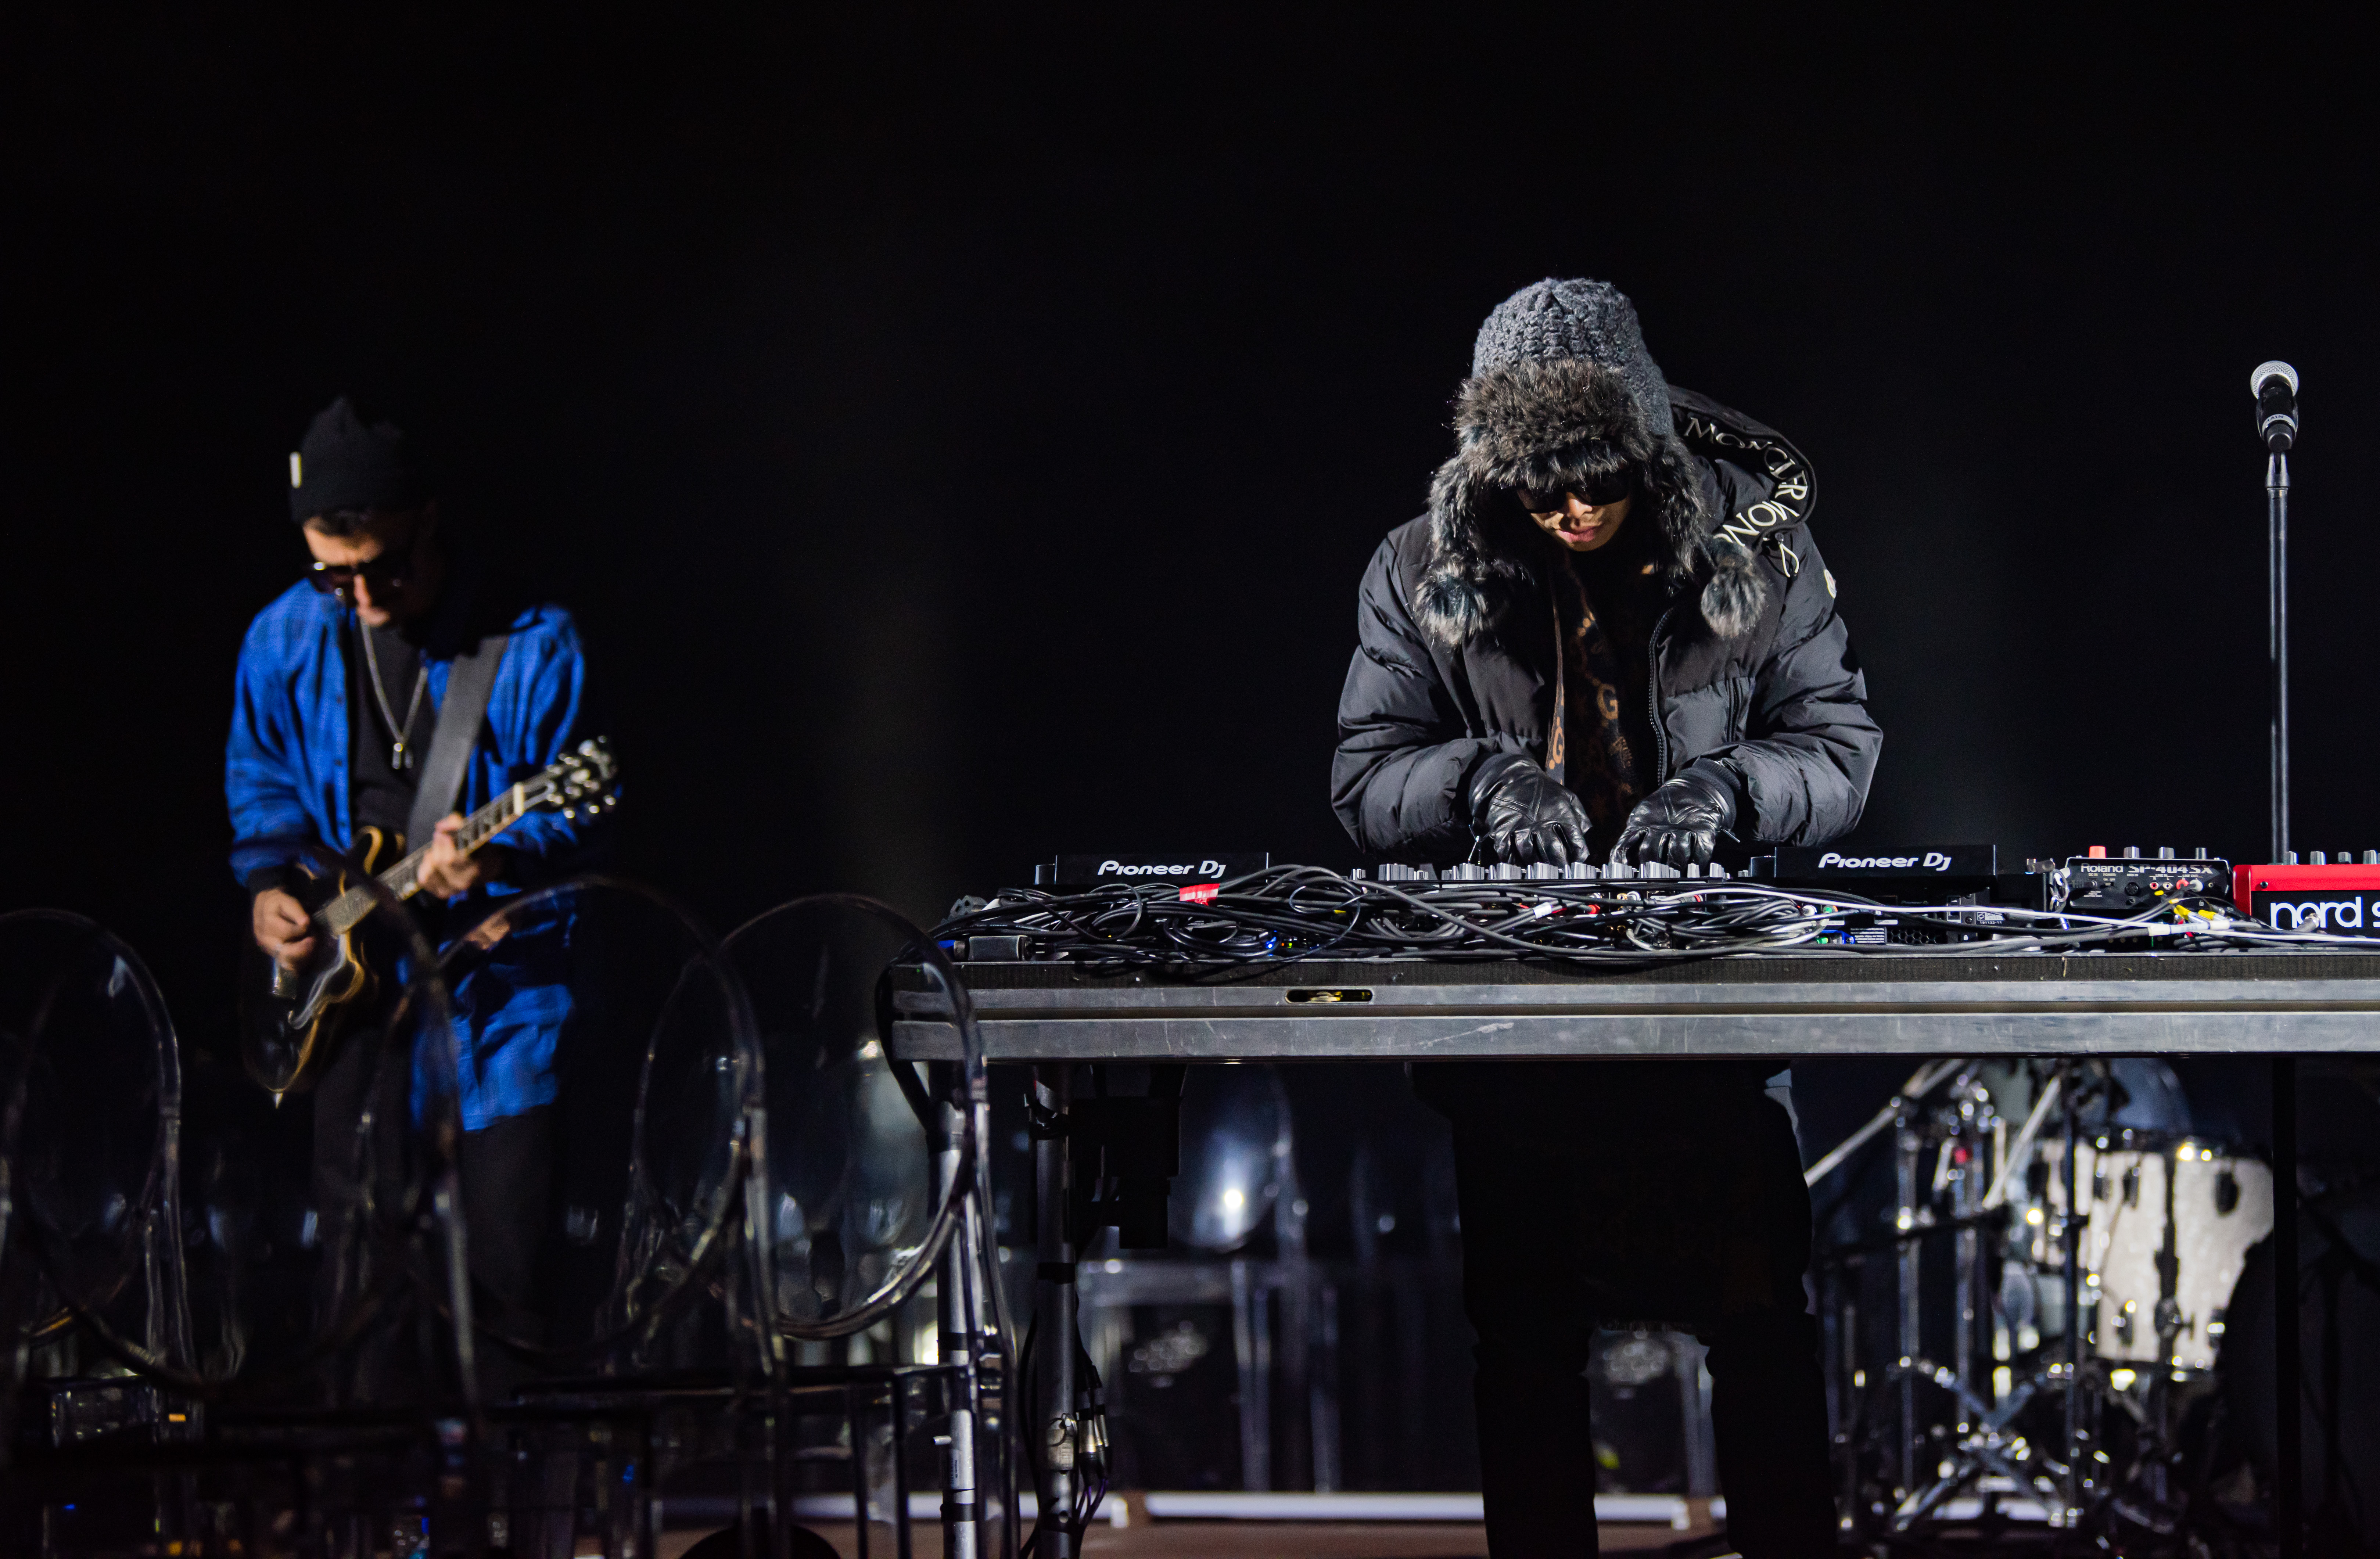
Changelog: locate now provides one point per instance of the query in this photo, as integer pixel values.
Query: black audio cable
(1289, 913)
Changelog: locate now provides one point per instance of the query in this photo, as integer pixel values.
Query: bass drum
(2143, 1196)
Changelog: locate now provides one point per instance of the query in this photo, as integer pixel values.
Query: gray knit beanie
(1576, 318)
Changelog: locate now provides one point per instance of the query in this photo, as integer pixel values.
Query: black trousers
(1707, 1228)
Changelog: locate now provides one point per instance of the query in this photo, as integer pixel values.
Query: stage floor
(1268, 1540)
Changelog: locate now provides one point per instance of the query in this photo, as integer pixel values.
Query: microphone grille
(2268, 371)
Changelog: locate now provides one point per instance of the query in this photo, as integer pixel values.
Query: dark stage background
(961, 435)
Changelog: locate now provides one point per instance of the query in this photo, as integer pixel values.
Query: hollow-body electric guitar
(293, 1027)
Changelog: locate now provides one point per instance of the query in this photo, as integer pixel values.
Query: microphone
(2274, 385)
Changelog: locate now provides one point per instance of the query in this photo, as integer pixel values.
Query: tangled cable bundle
(1291, 912)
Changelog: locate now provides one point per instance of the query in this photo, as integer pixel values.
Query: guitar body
(293, 1028)
(295, 1017)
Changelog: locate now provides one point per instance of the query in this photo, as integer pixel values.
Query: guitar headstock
(584, 782)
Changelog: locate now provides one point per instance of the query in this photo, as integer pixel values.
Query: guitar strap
(468, 682)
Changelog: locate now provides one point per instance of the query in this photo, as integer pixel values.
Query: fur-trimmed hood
(1553, 424)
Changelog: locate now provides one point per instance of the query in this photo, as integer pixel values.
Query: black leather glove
(1682, 821)
(1521, 814)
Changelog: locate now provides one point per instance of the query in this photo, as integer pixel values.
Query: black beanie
(346, 463)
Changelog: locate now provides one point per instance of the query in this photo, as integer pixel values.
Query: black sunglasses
(383, 573)
(1609, 487)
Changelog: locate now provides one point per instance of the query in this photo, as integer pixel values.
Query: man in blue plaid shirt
(339, 683)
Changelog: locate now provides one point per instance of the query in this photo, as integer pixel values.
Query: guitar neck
(404, 879)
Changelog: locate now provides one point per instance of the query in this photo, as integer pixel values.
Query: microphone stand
(2276, 561)
(2287, 1358)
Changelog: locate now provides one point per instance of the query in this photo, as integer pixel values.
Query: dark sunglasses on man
(1597, 490)
(385, 572)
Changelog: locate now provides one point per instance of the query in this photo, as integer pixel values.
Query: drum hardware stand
(2078, 1465)
(961, 1340)
(1982, 1445)
(2155, 1417)
(1960, 1160)
(1968, 1140)
(1909, 1221)
(1908, 1143)
(1985, 1447)
(1058, 1303)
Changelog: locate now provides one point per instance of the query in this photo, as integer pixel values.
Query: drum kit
(2028, 1337)
(2025, 1274)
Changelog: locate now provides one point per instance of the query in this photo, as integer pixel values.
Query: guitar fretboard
(344, 912)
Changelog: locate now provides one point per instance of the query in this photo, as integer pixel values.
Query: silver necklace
(400, 756)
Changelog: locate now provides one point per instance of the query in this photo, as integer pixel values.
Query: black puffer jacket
(1457, 655)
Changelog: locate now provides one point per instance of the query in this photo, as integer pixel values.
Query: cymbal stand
(1909, 1143)
(1961, 1169)
(1984, 1443)
(2078, 1479)
(1900, 1114)
(965, 1329)
(2141, 1491)
(1050, 1421)
(1957, 1169)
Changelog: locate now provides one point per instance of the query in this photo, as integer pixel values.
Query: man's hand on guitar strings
(282, 927)
(447, 870)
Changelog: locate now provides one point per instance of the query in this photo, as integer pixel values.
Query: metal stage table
(1784, 1004)
(1905, 1002)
